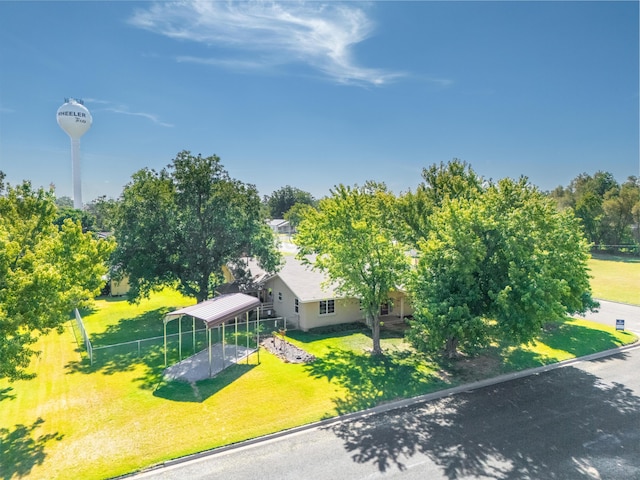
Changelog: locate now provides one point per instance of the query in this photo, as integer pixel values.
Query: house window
(384, 309)
(327, 307)
(296, 305)
(280, 296)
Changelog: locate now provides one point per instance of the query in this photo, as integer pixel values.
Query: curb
(386, 407)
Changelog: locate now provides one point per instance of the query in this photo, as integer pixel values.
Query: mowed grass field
(616, 278)
(94, 422)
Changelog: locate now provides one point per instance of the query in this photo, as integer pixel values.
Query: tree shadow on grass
(126, 359)
(21, 449)
(132, 343)
(579, 340)
(142, 349)
(314, 335)
(146, 325)
(563, 424)
(370, 380)
(344, 330)
(5, 394)
(199, 391)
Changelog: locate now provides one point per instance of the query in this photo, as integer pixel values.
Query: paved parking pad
(197, 367)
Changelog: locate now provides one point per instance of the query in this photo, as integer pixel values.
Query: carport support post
(247, 317)
(223, 356)
(258, 333)
(236, 333)
(209, 335)
(165, 342)
(180, 336)
(194, 334)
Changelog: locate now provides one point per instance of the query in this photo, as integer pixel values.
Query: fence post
(87, 342)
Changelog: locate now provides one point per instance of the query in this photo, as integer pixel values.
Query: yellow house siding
(120, 288)
(286, 306)
(347, 310)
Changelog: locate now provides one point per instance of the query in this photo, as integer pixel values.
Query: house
(305, 298)
(280, 226)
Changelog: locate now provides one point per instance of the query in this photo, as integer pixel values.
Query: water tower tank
(74, 118)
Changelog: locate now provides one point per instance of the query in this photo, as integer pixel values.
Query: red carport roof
(218, 310)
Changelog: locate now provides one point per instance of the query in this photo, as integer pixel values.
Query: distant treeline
(610, 211)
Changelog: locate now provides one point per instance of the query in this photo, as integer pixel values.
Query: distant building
(279, 225)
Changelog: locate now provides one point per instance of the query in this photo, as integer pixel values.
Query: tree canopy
(281, 201)
(183, 224)
(353, 240)
(498, 265)
(608, 210)
(441, 183)
(46, 270)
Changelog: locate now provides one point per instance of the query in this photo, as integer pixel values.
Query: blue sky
(320, 93)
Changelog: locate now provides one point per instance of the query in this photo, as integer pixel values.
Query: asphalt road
(581, 421)
(609, 312)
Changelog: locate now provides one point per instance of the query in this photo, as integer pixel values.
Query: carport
(216, 312)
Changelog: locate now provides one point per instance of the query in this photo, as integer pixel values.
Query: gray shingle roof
(307, 285)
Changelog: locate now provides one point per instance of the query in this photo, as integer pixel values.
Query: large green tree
(46, 270)
(352, 240)
(619, 207)
(497, 266)
(441, 183)
(181, 225)
(281, 201)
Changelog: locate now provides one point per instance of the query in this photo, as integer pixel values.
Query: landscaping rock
(286, 351)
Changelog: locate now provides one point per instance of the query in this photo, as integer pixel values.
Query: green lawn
(616, 278)
(117, 415)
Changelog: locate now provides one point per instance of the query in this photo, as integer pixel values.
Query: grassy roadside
(117, 417)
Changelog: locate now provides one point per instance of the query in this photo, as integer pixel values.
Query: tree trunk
(451, 347)
(203, 294)
(375, 335)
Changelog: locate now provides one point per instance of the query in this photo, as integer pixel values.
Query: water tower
(75, 119)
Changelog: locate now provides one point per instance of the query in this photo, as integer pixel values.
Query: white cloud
(269, 33)
(149, 116)
(113, 107)
(232, 64)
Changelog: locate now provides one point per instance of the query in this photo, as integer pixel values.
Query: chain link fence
(81, 334)
(179, 345)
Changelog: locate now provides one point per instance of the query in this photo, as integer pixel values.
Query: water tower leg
(75, 170)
